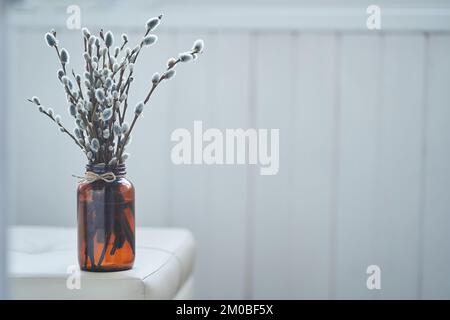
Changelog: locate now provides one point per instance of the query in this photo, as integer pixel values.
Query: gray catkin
(107, 114)
(155, 78)
(153, 23)
(185, 57)
(125, 157)
(198, 45)
(125, 127)
(86, 33)
(117, 129)
(95, 145)
(99, 95)
(109, 39)
(169, 74)
(64, 56)
(60, 74)
(139, 108)
(72, 110)
(50, 39)
(150, 40)
(36, 100)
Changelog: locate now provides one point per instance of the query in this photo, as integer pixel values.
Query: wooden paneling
(400, 162)
(313, 116)
(436, 215)
(358, 150)
(274, 91)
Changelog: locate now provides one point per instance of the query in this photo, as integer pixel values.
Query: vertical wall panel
(226, 206)
(436, 258)
(189, 184)
(4, 187)
(400, 163)
(312, 164)
(272, 210)
(357, 176)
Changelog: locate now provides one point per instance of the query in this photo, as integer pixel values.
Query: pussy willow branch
(59, 58)
(80, 91)
(147, 98)
(61, 126)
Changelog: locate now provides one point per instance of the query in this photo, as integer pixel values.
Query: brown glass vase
(106, 228)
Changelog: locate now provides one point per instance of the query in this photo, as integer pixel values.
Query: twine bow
(92, 176)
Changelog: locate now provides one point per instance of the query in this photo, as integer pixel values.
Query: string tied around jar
(92, 176)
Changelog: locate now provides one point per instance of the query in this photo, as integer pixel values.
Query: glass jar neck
(118, 170)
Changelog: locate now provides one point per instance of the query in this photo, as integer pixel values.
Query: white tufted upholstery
(40, 257)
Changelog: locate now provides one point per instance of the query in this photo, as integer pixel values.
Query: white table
(42, 259)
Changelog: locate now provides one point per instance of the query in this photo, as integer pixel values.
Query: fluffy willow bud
(77, 133)
(169, 74)
(60, 74)
(124, 37)
(155, 78)
(95, 145)
(149, 40)
(50, 112)
(72, 110)
(153, 23)
(139, 108)
(117, 129)
(108, 83)
(125, 127)
(106, 134)
(125, 157)
(105, 72)
(171, 62)
(64, 56)
(86, 33)
(109, 39)
(99, 95)
(185, 57)
(36, 101)
(50, 39)
(198, 45)
(107, 114)
(92, 40)
(58, 119)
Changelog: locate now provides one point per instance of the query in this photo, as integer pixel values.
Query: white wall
(364, 146)
(3, 164)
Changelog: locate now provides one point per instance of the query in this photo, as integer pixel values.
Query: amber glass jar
(106, 231)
